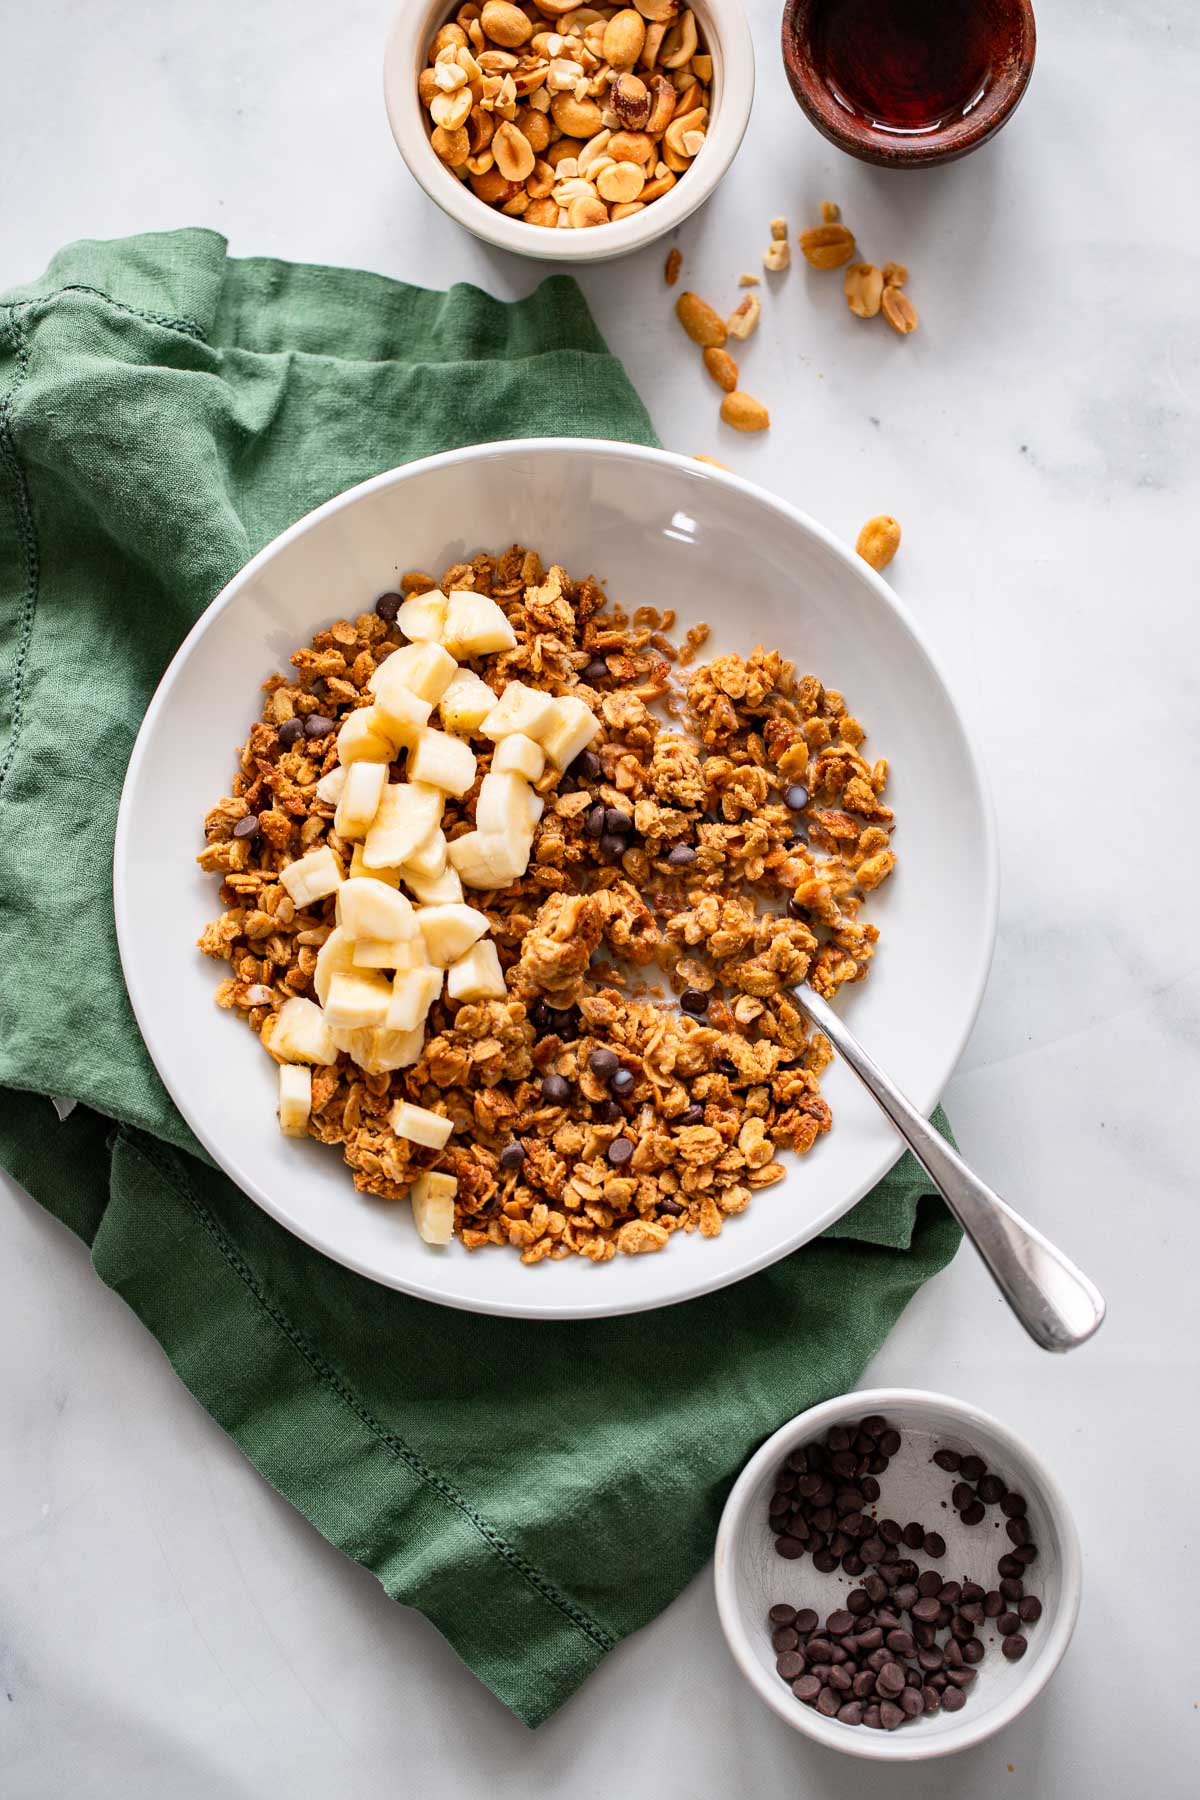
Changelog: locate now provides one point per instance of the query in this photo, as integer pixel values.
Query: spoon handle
(1055, 1302)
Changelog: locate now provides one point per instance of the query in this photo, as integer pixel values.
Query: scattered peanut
(827, 246)
(777, 256)
(621, 93)
(879, 540)
(894, 274)
(744, 317)
(721, 367)
(745, 280)
(744, 412)
(899, 311)
(863, 288)
(673, 265)
(779, 228)
(831, 212)
(702, 322)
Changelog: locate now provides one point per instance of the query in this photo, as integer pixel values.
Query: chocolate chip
(805, 1621)
(785, 1637)
(840, 1679)
(973, 1514)
(890, 1531)
(291, 731)
(1012, 1588)
(891, 1678)
(795, 798)
(990, 1489)
(863, 1684)
(930, 1657)
(248, 827)
(1007, 1623)
(890, 1715)
(594, 824)
(609, 1113)
(387, 606)
(680, 856)
(972, 1591)
(906, 1594)
(949, 1460)
(586, 767)
(961, 1495)
(612, 846)
(931, 1699)
(901, 1642)
(618, 822)
(973, 1467)
(317, 725)
(807, 1688)
(870, 1639)
(914, 1536)
(851, 1713)
(818, 1650)
(872, 1717)
(782, 1614)
(973, 1650)
(935, 1544)
(828, 1702)
(693, 1116)
(1014, 1506)
(622, 1083)
(1025, 1554)
(950, 1593)
(788, 1547)
(672, 1208)
(953, 1699)
(839, 1623)
(694, 1001)
(789, 1664)
(512, 1156)
(1018, 1531)
(889, 1442)
(926, 1610)
(556, 1089)
(911, 1703)
(1014, 1647)
(962, 1678)
(603, 1063)
(929, 1582)
(619, 1152)
(1030, 1609)
(1010, 1565)
(597, 670)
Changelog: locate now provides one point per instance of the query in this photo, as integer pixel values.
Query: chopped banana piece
(357, 1000)
(359, 867)
(367, 908)
(475, 626)
(295, 1099)
(299, 1032)
(329, 788)
(409, 813)
(443, 761)
(430, 858)
(388, 953)
(413, 993)
(420, 1126)
(477, 975)
(426, 670)
(432, 1197)
(490, 862)
(312, 877)
(432, 890)
(360, 797)
(365, 738)
(522, 709)
(335, 956)
(466, 703)
(401, 713)
(449, 931)
(507, 807)
(517, 754)
(572, 730)
(378, 1050)
(423, 615)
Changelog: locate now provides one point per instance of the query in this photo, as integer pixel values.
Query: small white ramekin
(750, 1577)
(727, 36)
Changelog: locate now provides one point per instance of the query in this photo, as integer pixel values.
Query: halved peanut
(721, 367)
(535, 126)
(451, 110)
(497, 62)
(427, 87)
(450, 146)
(654, 190)
(702, 68)
(827, 246)
(661, 11)
(624, 35)
(621, 183)
(863, 288)
(557, 9)
(744, 412)
(480, 129)
(449, 37)
(680, 125)
(662, 105)
(701, 321)
(493, 187)
(541, 181)
(631, 146)
(777, 256)
(581, 118)
(899, 311)
(879, 540)
(894, 274)
(541, 211)
(680, 43)
(587, 211)
(529, 76)
(831, 212)
(513, 153)
(505, 24)
(744, 317)
(517, 205)
(655, 33)
(562, 149)
(625, 210)
(479, 164)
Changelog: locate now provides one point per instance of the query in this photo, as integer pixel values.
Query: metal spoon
(1055, 1301)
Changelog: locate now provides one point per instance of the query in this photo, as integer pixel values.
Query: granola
(717, 838)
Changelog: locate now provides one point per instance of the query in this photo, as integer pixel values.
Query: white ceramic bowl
(750, 1577)
(722, 25)
(661, 529)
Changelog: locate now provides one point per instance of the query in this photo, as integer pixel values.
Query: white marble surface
(167, 1624)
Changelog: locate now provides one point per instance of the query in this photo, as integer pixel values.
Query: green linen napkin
(537, 1490)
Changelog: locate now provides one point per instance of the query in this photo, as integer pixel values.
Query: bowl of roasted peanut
(571, 133)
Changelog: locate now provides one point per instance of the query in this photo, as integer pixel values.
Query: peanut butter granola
(717, 835)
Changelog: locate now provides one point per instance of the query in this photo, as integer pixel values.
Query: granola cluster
(717, 839)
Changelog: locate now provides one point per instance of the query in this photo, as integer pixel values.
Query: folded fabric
(538, 1491)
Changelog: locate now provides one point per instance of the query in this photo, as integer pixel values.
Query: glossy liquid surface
(907, 66)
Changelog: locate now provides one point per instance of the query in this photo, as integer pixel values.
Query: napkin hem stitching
(27, 533)
(332, 1380)
(189, 327)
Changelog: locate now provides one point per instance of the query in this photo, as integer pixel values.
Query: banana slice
(432, 1197)
(295, 1099)
(475, 626)
(365, 738)
(413, 993)
(426, 670)
(409, 813)
(571, 730)
(442, 761)
(357, 999)
(507, 807)
(420, 1126)
(423, 615)
(299, 1032)
(449, 931)
(517, 754)
(360, 797)
(466, 703)
(312, 877)
(367, 908)
(477, 975)
(522, 709)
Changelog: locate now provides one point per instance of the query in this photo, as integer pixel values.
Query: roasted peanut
(493, 188)
(621, 182)
(879, 540)
(673, 265)
(505, 24)
(580, 118)
(624, 35)
(680, 43)
(863, 288)
(702, 322)
(631, 146)
(831, 212)
(662, 105)
(513, 153)
(827, 246)
(626, 209)
(660, 11)
(744, 412)
(587, 210)
(894, 274)
(744, 317)
(899, 311)
(451, 146)
(630, 99)
(777, 256)
(541, 211)
(721, 367)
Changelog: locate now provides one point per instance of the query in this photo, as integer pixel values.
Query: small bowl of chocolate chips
(898, 1574)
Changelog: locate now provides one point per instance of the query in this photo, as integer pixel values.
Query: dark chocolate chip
(795, 798)
(387, 606)
(1015, 1647)
(680, 856)
(695, 1001)
(248, 827)
(597, 670)
(622, 1083)
(317, 725)
(512, 1156)
(619, 1152)
(556, 1089)
(603, 1063)
(291, 731)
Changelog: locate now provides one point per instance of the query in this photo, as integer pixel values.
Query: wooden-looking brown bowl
(1003, 39)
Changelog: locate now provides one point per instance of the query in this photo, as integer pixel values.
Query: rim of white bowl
(896, 1746)
(727, 33)
(126, 929)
